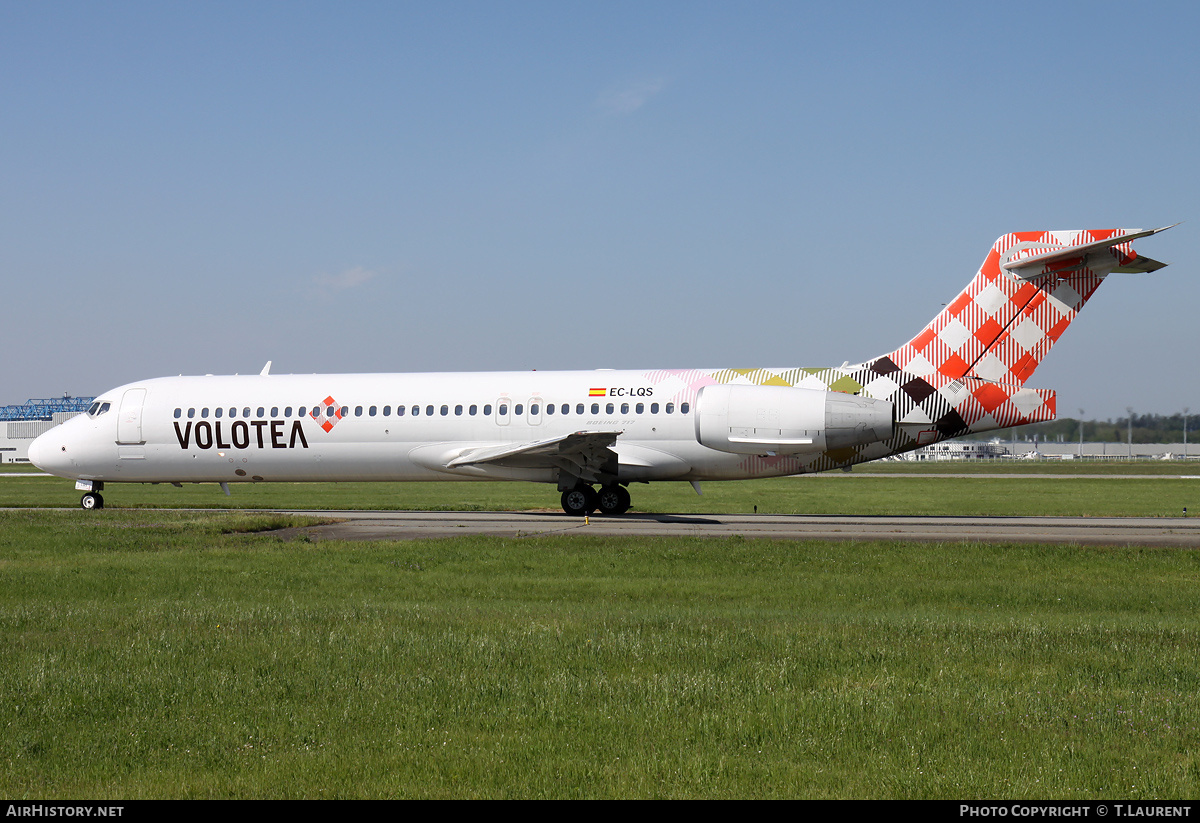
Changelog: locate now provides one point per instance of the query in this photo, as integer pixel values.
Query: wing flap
(580, 456)
(576, 444)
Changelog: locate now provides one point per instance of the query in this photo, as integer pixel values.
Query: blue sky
(202, 187)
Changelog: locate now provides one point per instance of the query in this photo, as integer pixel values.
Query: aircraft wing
(585, 455)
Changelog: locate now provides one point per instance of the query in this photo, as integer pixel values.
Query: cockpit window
(98, 408)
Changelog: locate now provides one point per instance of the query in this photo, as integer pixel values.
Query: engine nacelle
(784, 420)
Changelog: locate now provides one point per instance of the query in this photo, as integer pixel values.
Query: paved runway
(1142, 531)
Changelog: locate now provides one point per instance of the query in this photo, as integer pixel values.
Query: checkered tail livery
(966, 370)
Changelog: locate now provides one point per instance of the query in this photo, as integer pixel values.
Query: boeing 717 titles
(593, 433)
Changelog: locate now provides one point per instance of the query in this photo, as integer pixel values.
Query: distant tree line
(1147, 428)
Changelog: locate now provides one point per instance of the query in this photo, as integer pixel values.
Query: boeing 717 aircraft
(593, 433)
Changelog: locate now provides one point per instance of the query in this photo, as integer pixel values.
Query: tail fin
(1027, 292)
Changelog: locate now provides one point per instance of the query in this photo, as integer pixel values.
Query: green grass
(147, 654)
(857, 493)
(1082, 468)
(1079, 467)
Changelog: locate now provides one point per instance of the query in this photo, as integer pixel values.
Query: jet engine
(785, 420)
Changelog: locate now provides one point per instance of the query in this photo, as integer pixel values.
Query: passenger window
(503, 409)
(287, 411)
(218, 412)
(358, 411)
(387, 411)
(274, 411)
(640, 408)
(445, 410)
(261, 412)
(245, 412)
(458, 410)
(487, 409)
(191, 413)
(608, 408)
(178, 413)
(624, 408)
(533, 408)
(595, 408)
(579, 408)
(429, 411)
(473, 410)
(549, 408)
(204, 412)
(519, 409)
(416, 411)
(654, 408)
(566, 408)
(345, 411)
(684, 408)
(670, 408)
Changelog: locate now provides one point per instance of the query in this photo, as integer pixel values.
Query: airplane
(593, 433)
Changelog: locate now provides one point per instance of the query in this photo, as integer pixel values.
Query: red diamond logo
(328, 414)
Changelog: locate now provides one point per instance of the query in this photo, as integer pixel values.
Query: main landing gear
(583, 500)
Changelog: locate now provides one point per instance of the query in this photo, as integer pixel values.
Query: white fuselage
(374, 427)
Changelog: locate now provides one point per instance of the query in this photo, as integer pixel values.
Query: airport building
(1033, 450)
(19, 424)
(1105, 451)
(957, 450)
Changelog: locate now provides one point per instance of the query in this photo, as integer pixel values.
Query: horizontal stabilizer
(1031, 263)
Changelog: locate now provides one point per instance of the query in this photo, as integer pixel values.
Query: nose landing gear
(92, 500)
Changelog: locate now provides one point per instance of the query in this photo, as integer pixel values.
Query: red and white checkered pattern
(1001, 327)
(323, 418)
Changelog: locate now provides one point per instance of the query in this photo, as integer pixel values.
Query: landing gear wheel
(579, 501)
(613, 500)
(92, 500)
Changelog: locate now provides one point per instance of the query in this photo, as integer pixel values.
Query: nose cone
(36, 450)
(46, 452)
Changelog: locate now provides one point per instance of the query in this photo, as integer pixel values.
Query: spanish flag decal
(597, 392)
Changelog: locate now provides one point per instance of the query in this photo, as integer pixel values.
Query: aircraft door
(129, 420)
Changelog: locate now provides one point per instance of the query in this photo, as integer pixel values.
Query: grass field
(195, 654)
(150, 654)
(1140, 489)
